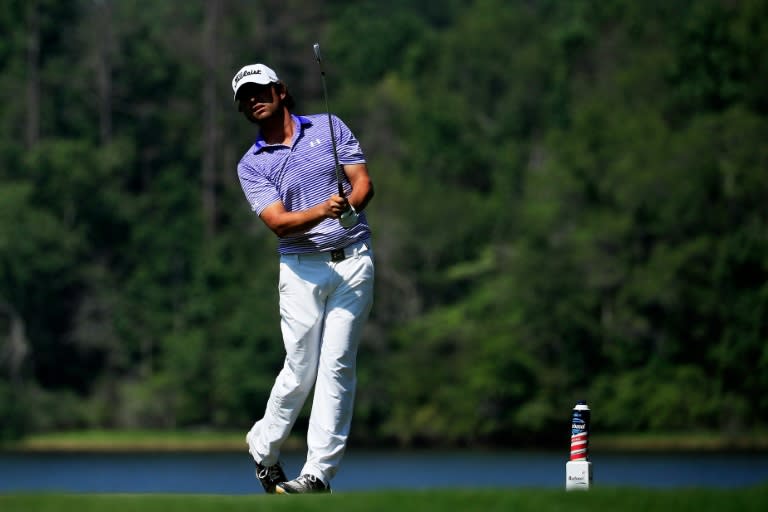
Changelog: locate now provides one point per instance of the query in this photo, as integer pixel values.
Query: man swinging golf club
(307, 179)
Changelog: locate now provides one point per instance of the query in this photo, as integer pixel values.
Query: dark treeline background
(571, 203)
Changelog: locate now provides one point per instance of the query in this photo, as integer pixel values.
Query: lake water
(232, 473)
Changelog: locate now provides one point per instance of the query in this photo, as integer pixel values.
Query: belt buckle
(337, 255)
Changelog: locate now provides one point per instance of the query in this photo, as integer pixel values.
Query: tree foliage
(571, 203)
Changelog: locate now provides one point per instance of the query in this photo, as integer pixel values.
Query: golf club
(330, 122)
(349, 218)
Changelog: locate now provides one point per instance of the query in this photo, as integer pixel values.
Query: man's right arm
(284, 223)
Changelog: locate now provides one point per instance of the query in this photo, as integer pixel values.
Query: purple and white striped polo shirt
(303, 175)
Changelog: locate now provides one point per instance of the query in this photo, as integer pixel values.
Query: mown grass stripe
(490, 500)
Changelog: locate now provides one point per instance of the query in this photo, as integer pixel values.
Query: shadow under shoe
(270, 476)
(305, 484)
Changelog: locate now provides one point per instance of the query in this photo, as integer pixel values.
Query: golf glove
(349, 218)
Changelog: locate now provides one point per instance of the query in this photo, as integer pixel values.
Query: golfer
(289, 177)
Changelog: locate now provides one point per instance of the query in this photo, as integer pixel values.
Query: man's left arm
(362, 186)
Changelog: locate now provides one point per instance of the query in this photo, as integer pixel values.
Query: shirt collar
(299, 123)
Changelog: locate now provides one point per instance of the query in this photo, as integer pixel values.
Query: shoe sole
(280, 490)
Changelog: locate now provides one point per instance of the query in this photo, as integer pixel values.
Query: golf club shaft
(330, 120)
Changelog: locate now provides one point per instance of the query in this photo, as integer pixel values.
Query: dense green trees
(571, 202)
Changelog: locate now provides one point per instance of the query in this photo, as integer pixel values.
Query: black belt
(335, 255)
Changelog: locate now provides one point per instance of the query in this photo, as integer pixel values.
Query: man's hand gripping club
(337, 207)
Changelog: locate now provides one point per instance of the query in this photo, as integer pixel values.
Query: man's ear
(282, 90)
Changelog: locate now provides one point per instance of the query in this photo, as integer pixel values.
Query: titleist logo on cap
(247, 72)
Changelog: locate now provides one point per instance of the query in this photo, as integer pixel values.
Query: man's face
(258, 102)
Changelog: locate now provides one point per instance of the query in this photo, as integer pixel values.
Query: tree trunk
(15, 350)
(33, 75)
(104, 71)
(210, 133)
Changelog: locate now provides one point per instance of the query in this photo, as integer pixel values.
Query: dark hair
(289, 102)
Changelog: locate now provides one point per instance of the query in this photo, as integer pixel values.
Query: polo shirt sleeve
(348, 148)
(259, 191)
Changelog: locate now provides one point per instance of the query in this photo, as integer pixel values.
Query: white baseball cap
(253, 74)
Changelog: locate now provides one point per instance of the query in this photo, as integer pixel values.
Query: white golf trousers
(323, 306)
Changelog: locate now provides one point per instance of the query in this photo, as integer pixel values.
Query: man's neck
(278, 129)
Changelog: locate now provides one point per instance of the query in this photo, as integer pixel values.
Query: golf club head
(316, 48)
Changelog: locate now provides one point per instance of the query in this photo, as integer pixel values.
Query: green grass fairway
(507, 500)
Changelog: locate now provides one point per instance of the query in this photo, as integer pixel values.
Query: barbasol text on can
(580, 431)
